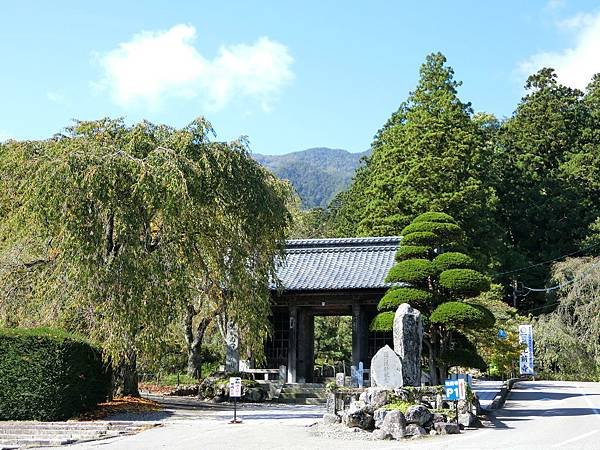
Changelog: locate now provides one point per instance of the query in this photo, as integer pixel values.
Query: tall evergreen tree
(544, 208)
(430, 154)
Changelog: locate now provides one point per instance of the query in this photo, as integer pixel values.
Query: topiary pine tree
(437, 280)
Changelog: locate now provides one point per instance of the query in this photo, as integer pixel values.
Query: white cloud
(157, 65)
(576, 65)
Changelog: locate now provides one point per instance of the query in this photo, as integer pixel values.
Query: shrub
(453, 260)
(395, 297)
(421, 238)
(384, 321)
(457, 314)
(449, 231)
(48, 374)
(464, 281)
(434, 216)
(411, 251)
(410, 271)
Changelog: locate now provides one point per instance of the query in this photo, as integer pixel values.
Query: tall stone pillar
(292, 344)
(408, 341)
(232, 354)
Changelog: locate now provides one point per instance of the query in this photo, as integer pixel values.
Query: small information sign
(235, 387)
(455, 389)
(235, 392)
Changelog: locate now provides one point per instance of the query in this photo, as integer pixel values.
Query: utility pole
(514, 293)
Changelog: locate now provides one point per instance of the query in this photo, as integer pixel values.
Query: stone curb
(499, 400)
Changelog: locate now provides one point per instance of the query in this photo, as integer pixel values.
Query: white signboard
(526, 359)
(235, 387)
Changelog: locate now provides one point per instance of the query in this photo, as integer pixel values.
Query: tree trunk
(194, 342)
(126, 376)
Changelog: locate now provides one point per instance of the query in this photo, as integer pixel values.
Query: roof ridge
(343, 242)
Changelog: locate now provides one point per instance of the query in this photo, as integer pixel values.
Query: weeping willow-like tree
(567, 343)
(117, 231)
(439, 282)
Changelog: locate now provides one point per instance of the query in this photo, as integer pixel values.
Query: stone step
(305, 385)
(303, 395)
(302, 401)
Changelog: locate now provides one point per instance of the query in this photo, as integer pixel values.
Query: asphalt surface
(537, 415)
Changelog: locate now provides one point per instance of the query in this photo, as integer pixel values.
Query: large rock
(446, 428)
(361, 418)
(359, 405)
(379, 416)
(375, 396)
(386, 369)
(414, 430)
(330, 419)
(468, 420)
(408, 338)
(418, 414)
(381, 435)
(394, 423)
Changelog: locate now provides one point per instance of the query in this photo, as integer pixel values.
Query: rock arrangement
(369, 413)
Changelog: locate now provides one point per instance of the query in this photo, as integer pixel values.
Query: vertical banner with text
(526, 359)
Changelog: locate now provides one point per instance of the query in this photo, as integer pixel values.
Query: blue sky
(289, 75)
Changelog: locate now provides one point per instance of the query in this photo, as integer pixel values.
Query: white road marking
(575, 439)
(588, 401)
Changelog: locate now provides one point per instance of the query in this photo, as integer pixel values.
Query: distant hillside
(317, 173)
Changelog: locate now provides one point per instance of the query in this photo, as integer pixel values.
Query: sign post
(235, 392)
(526, 358)
(455, 391)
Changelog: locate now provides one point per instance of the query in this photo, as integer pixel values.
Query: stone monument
(386, 369)
(408, 341)
(232, 356)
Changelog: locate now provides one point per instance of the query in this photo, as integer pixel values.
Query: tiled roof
(327, 264)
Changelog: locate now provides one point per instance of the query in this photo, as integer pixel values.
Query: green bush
(48, 374)
(421, 238)
(464, 281)
(457, 314)
(453, 260)
(384, 321)
(434, 216)
(396, 296)
(447, 231)
(411, 251)
(410, 271)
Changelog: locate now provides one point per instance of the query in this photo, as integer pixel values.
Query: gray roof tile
(328, 264)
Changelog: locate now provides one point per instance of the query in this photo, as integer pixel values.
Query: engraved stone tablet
(386, 369)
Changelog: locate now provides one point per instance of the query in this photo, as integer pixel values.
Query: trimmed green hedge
(384, 321)
(421, 238)
(456, 314)
(396, 296)
(465, 281)
(411, 251)
(445, 230)
(453, 260)
(410, 271)
(48, 374)
(434, 216)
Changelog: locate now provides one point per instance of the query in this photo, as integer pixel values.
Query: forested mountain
(317, 174)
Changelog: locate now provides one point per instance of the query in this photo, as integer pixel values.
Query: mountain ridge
(317, 173)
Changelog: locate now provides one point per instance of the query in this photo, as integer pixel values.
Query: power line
(566, 283)
(546, 262)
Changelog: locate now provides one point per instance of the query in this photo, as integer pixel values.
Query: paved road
(537, 415)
